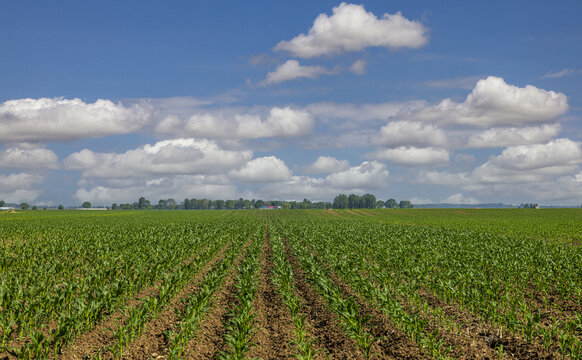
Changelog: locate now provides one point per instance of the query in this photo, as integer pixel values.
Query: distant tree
(114, 206)
(125, 206)
(259, 204)
(219, 204)
(2, 203)
(143, 203)
(171, 204)
(162, 203)
(86, 205)
(353, 201)
(230, 204)
(390, 203)
(61, 207)
(405, 204)
(24, 206)
(35, 207)
(368, 201)
(341, 201)
(380, 204)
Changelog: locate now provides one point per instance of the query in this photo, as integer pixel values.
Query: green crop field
(283, 284)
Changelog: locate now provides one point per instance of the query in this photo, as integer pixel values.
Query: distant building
(94, 209)
(6, 208)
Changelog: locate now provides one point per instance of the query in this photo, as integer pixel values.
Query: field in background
(272, 284)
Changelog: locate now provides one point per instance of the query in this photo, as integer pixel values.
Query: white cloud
(298, 188)
(178, 156)
(359, 67)
(351, 28)
(176, 187)
(262, 170)
(367, 175)
(442, 178)
(499, 137)
(493, 102)
(417, 200)
(331, 111)
(411, 133)
(560, 152)
(18, 187)
(279, 122)
(57, 119)
(327, 164)
(292, 70)
(413, 156)
(24, 156)
(562, 73)
(460, 199)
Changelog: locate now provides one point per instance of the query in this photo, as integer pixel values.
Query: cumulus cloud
(367, 175)
(18, 187)
(359, 67)
(178, 156)
(176, 187)
(352, 28)
(327, 164)
(279, 122)
(560, 152)
(262, 170)
(442, 178)
(411, 133)
(459, 199)
(413, 156)
(292, 70)
(500, 137)
(24, 156)
(58, 119)
(495, 103)
(331, 111)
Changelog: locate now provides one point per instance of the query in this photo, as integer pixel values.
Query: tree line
(341, 201)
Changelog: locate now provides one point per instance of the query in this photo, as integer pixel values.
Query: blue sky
(457, 102)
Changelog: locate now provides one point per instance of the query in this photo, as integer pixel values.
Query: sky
(434, 102)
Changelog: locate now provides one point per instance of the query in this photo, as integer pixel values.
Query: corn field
(284, 284)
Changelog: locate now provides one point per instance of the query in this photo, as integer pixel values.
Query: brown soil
(210, 341)
(322, 323)
(392, 343)
(153, 341)
(89, 344)
(554, 306)
(483, 334)
(274, 325)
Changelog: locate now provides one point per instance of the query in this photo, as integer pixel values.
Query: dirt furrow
(274, 325)
(100, 337)
(210, 341)
(153, 341)
(322, 323)
(484, 333)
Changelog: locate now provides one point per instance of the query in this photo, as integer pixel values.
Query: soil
(97, 340)
(274, 324)
(210, 341)
(322, 323)
(153, 341)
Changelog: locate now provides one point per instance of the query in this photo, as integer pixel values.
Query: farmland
(273, 284)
